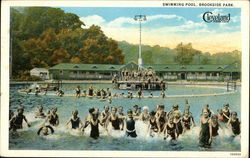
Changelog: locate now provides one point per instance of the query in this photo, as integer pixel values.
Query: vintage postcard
(125, 78)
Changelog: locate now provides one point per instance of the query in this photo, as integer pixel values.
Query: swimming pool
(65, 139)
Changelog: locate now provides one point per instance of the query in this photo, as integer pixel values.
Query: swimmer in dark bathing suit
(170, 129)
(234, 123)
(187, 121)
(205, 137)
(16, 122)
(152, 124)
(75, 120)
(130, 125)
(53, 118)
(94, 122)
(121, 116)
(113, 119)
(215, 125)
(226, 113)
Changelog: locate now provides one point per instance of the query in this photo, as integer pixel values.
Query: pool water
(65, 139)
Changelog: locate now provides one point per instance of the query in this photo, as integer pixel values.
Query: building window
(92, 72)
(75, 72)
(61, 72)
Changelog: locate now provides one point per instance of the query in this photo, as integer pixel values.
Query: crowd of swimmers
(169, 125)
(137, 75)
(102, 93)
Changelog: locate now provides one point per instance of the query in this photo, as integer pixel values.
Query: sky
(166, 27)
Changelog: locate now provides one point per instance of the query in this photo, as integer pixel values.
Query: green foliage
(43, 37)
(182, 54)
(185, 53)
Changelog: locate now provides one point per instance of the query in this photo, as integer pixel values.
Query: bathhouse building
(71, 71)
(43, 73)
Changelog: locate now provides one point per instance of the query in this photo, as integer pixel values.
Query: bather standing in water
(187, 121)
(94, 122)
(16, 122)
(215, 125)
(53, 118)
(161, 118)
(234, 123)
(40, 113)
(170, 129)
(130, 125)
(104, 115)
(226, 113)
(75, 120)
(152, 124)
(205, 137)
(113, 119)
(121, 117)
(144, 116)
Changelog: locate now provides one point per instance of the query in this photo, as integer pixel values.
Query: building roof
(88, 67)
(39, 69)
(235, 67)
(185, 68)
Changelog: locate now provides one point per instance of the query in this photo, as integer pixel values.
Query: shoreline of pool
(180, 82)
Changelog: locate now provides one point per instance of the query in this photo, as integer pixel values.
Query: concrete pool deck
(179, 82)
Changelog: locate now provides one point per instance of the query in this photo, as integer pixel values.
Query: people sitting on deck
(163, 94)
(16, 122)
(234, 123)
(75, 121)
(84, 94)
(60, 93)
(45, 130)
(98, 93)
(78, 92)
(91, 91)
(109, 92)
(37, 90)
(40, 113)
(140, 95)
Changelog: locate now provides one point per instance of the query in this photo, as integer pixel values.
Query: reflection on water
(65, 139)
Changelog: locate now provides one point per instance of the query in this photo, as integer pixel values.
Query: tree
(185, 53)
